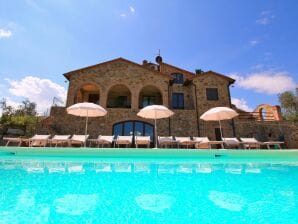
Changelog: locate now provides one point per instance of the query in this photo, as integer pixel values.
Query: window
(178, 78)
(178, 100)
(212, 93)
(134, 128)
(148, 100)
(93, 98)
(119, 96)
(122, 101)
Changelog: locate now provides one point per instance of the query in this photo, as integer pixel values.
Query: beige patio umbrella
(155, 112)
(219, 114)
(86, 110)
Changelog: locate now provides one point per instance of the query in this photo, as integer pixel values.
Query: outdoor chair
(59, 140)
(142, 140)
(231, 142)
(185, 141)
(103, 140)
(206, 143)
(123, 140)
(16, 140)
(166, 141)
(249, 143)
(78, 140)
(39, 140)
(277, 144)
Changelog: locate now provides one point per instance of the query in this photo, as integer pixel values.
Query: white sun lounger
(166, 141)
(39, 140)
(16, 140)
(142, 140)
(103, 140)
(231, 142)
(205, 143)
(273, 143)
(249, 143)
(123, 140)
(59, 140)
(185, 141)
(78, 140)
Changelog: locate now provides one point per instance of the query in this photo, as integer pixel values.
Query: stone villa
(124, 87)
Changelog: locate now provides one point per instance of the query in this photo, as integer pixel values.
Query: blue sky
(254, 41)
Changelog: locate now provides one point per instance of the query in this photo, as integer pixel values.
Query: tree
(22, 117)
(289, 105)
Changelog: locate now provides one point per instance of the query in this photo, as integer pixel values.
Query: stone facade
(286, 131)
(123, 87)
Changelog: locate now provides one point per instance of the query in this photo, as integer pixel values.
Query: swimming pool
(159, 189)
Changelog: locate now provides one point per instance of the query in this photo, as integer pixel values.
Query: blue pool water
(139, 191)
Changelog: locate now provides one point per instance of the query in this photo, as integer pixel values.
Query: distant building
(124, 87)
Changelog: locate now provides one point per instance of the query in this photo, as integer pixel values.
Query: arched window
(178, 78)
(149, 95)
(134, 128)
(119, 96)
(87, 93)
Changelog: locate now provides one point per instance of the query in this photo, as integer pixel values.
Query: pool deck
(149, 153)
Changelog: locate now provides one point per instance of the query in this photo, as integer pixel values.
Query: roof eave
(231, 81)
(68, 74)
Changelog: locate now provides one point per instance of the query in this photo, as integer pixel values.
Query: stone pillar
(103, 98)
(165, 97)
(277, 113)
(135, 100)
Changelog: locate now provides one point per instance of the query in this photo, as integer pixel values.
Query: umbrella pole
(86, 127)
(155, 129)
(220, 129)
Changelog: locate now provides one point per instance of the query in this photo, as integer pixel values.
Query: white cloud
(265, 18)
(132, 9)
(33, 4)
(241, 104)
(263, 21)
(258, 67)
(269, 82)
(40, 91)
(10, 102)
(254, 42)
(5, 33)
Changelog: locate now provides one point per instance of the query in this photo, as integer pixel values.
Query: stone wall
(269, 130)
(185, 122)
(59, 122)
(202, 82)
(107, 75)
(188, 91)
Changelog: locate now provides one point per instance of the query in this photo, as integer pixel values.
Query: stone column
(103, 98)
(165, 96)
(135, 99)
